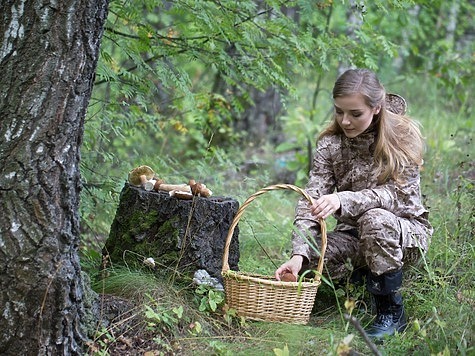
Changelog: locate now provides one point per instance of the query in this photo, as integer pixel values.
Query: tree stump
(182, 235)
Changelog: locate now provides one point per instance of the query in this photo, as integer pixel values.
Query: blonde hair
(399, 142)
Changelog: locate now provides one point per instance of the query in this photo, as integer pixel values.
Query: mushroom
(140, 175)
(144, 176)
(153, 184)
(149, 185)
(199, 189)
(173, 187)
(157, 183)
(150, 262)
(181, 194)
(288, 277)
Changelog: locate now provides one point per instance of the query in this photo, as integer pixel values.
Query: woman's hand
(294, 265)
(326, 205)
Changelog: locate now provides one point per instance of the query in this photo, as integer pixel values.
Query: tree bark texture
(180, 235)
(48, 56)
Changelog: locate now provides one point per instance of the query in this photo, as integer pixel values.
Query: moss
(141, 221)
(90, 301)
(165, 238)
(143, 236)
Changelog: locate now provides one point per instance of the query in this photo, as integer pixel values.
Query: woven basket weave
(263, 298)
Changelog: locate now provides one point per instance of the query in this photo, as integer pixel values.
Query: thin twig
(365, 336)
(262, 247)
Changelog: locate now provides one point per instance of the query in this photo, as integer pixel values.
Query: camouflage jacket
(345, 165)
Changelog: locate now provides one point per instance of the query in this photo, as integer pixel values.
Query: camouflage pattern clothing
(378, 226)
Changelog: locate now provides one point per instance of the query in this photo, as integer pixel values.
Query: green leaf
(282, 352)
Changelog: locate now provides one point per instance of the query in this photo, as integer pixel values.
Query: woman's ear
(376, 110)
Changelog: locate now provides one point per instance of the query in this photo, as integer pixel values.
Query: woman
(366, 173)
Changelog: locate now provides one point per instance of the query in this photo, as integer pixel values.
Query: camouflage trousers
(382, 243)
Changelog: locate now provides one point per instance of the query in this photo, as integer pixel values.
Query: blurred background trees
(217, 90)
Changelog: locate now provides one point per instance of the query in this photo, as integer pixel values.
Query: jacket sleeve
(353, 204)
(401, 198)
(321, 181)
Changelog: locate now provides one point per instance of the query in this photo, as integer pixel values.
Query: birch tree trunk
(48, 57)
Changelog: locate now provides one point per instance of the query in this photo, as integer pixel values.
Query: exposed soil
(122, 330)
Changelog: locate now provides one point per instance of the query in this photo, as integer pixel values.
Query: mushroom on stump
(140, 175)
(145, 177)
(199, 189)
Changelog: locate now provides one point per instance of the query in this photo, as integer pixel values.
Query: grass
(439, 293)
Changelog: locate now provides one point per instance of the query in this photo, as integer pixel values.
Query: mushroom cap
(134, 174)
(288, 277)
(199, 189)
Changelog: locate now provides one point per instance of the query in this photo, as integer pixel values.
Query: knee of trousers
(380, 240)
(377, 220)
(341, 255)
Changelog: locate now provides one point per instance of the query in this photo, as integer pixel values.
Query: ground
(123, 330)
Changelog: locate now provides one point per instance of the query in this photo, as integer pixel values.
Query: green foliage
(265, 231)
(173, 85)
(209, 298)
(104, 339)
(126, 283)
(174, 79)
(159, 316)
(282, 352)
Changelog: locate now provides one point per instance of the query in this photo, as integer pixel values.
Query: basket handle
(248, 201)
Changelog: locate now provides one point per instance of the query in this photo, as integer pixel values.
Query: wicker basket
(264, 298)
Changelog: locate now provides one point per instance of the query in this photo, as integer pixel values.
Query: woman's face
(353, 115)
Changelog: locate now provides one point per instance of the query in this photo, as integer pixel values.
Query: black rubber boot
(390, 316)
(389, 305)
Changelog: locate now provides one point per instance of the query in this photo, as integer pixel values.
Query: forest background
(234, 94)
